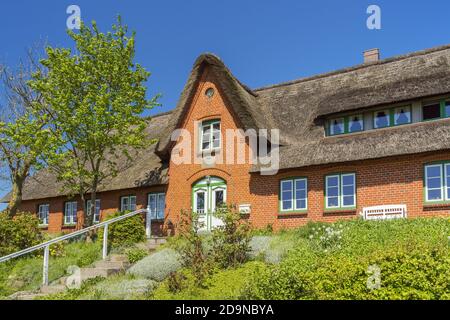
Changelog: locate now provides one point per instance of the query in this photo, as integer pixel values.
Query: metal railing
(46, 245)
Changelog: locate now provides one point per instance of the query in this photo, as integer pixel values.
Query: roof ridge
(165, 113)
(356, 67)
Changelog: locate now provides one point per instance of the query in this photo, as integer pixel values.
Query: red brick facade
(393, 180)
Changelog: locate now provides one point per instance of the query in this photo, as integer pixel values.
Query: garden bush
(230, 241)
(19, 232)
(136, 254)
(125, 232)
(157, 266)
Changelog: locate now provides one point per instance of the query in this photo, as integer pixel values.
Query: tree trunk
(16, 196)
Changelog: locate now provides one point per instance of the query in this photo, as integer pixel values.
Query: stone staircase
(114, 264)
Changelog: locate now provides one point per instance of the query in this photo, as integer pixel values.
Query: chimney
(371, 55)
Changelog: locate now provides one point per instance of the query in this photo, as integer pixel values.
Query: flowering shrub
(157, 266)
(327, 238)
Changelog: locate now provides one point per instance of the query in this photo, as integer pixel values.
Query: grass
(25, 274)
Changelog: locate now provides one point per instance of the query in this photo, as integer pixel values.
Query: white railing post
(105, 242)
(45, 268)
(148, 223)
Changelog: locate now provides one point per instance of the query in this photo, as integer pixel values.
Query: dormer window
(381, 119)
(336, 126)
(356, 123)
(402, 115)
(210, 135)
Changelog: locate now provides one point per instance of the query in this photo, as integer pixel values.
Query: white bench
(384, 212)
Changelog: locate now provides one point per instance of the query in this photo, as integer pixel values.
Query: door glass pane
(200, 204)
(219, 198)
(355, 123)
(161, 205)
(381, 119)
(402, 115)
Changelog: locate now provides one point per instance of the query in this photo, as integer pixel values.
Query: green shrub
(19, 232)
(157, 266)
(136, 254)
(223, 284)
(192, 249)
(125, 232)
(230, 241)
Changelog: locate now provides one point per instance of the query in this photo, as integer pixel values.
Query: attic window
(381, 119)
(431, 111)
(209, 92)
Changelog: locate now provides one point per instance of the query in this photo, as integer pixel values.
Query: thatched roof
(146, 169)
(298, 109)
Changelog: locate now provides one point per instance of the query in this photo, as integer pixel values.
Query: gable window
(437, 182)
(431, 111)
(340, 191)
(402, 115)
(210, 135)
(337, 126)
(355, 123)
(128, 203)
(157, 203)
(70, 212)
(294, 195)
(97, 209)
(381, 119)
(43, 214)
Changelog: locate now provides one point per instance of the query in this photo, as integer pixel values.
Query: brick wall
(109, 203)
(393, 180)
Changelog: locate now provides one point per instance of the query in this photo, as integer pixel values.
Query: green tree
(23, 133)
(94, 98)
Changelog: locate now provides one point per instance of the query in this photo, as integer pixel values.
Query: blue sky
(263, 42)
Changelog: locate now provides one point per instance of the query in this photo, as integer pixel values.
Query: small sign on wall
(244, 208)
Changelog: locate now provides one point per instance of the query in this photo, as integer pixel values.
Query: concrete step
(118, 258)
(157, 240)
(30, 296)
(105, 264)
(52, 289)
(89, 273)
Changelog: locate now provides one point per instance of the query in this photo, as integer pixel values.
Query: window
(43, 214)
(70, 212)
(381, 119)
(340, 191)
(209, 92)
(437, 182)
(128, 203)
(97, 209)
(431, 111)
(210, 135)
(294, 194)
(355, 123)
(337, 126)
(447, 108)
(157, 203)
(402, 115)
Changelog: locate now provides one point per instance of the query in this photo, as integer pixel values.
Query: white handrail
(105, 224)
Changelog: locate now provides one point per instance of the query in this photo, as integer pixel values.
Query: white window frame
(342, 189)
(281, 194)
(122, 209)
(97, 201)
(293, 190)
(156, 195)
(340, 186)
(44, 222)
(70, 219)
(210, 124)
(442, 168)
